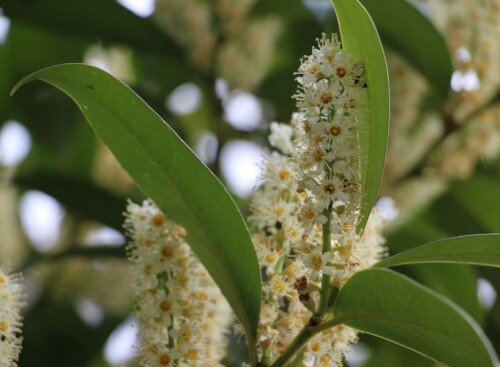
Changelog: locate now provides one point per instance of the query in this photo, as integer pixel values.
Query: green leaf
(78, 195)
(409, 32)
(393, 307)
(392, 355)
(360, 38)
(170, 174)
(456, 282)
(479, 249)
(481, 197)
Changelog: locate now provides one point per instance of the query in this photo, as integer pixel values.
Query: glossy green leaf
(480, 249)
(170, 174)
(360, 38)
(386, 354)
(393, 307)
(80, 196)
(413, 36)
(457, 282)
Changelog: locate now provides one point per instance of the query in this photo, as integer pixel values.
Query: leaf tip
(23, 82)
(16, 87)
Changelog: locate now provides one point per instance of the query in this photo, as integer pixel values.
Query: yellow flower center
(279, 287)
(164, 360)
(167, 251)
(166, 305)
(326, 98)
(4, 326)
(335, 130)
(318, 155)
(308, 213)
(341, 72)
(315, 347)
(158, 219)
(325, 360)
(329, 188)
(316, 262)
(284, 174)
(270, 258)
(192, 355)
(201, 296)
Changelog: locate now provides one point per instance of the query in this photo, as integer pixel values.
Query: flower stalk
(321, 312)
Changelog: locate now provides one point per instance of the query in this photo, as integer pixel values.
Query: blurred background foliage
(219, 71)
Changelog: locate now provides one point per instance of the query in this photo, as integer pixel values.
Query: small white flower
(281, 137)
(278, 285)
(310, 216)
(318, 262)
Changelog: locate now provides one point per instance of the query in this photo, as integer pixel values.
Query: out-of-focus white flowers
(432, 144)
(222, 37)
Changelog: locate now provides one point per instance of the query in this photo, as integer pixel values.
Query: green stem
(280, 264)
(304, 336)
(321, 311)
(300, 340)
(254, 359)
(298, 360)
(171, 341)
(333, 322)
(267, 357)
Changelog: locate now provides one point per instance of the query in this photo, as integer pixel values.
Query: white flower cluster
(11, 293)
(331, 102)
(182, 314)
(408, 144)
(245, 57)
(311, 186)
